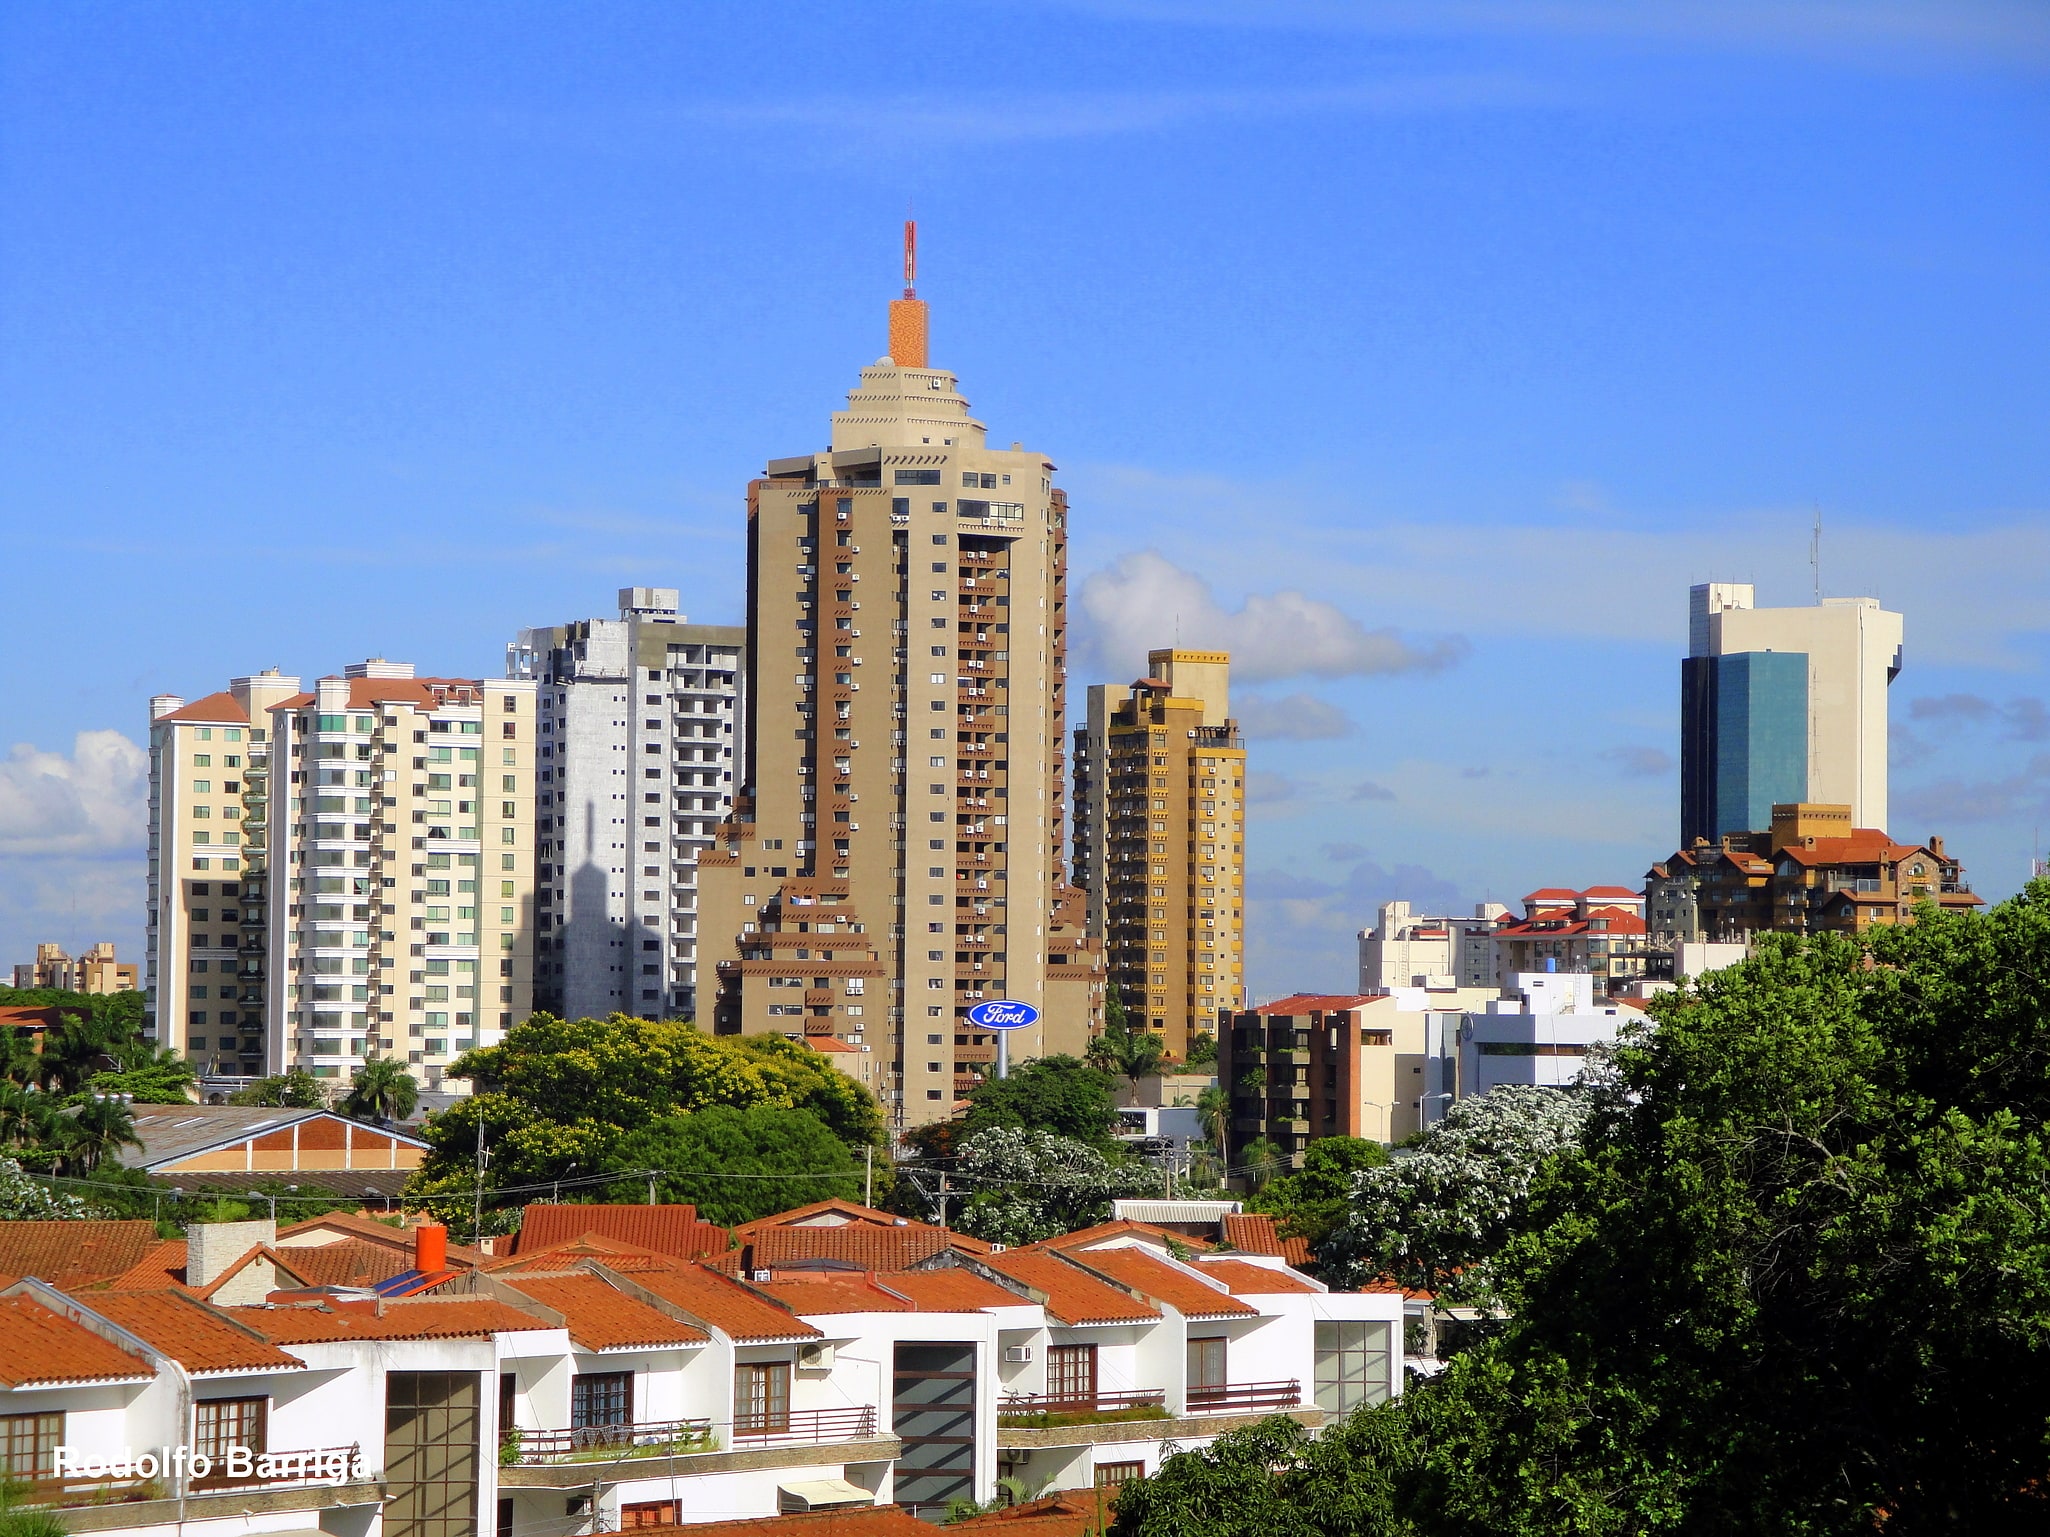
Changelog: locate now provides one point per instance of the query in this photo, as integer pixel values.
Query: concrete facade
(1408, 949)
(639, 743)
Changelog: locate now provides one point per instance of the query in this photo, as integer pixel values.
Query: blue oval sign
(1002, 1014)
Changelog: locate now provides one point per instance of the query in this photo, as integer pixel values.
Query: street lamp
(1421, 1098)
(258, 1195)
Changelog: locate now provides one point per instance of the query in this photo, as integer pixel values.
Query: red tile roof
(602, 1317)
(1314, 1003)
(819, 1295)
(1551, 894)
(857, 1244)
(1121, 1227)
(1164, 1282)
(352, 1262)
(726, 1304)
(952, 1290)
(850, 1211)
(70, 1254)
(614, 1254)
(1073, 1295)
(673, 1230)
(39, 1346)
(346, 1224)
(421, 693)
(163, 1266)
(424, 1318)
(214, 709)
(1070, 1513)
(1255, 1233)
(1246, 1280)
(1865, 846)
(198, 1337)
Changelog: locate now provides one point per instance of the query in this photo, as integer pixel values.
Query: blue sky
(1461, 336)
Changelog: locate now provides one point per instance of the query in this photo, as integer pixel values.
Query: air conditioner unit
(815, 1357)
(1017, 1355)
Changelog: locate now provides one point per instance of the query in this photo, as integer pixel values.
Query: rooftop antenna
(907, 315)
(911, 258)
(1815, 555)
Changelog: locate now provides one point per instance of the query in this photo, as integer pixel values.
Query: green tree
(153, 1075)
(1028, 1185)
(1313, 1200)
(382, 1093)
(295, 1090)
(1058, 1094)
(1437, 1218)
(25, 1199)
(95, 1127)
(735, 1164)
(1133, 1053)
(557, 1097)
(1259, 1162)
(1202, 1052)
(1213, 1113)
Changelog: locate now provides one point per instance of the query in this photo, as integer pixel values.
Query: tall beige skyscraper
(895, 851)
(1161, 840)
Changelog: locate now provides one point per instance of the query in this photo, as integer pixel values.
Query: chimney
(211, 1247)
(430, 1248)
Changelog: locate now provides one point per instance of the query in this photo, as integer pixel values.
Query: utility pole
(943, 1201)
(477, 1196)
(651, 1187)
(868, 1177)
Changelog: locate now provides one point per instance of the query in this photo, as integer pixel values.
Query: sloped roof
(213, 709)
(39, 1346)
(366, 692)
(1153, 1277)
(170, 1132)
(1865, 846)
(163, 1266)
(858, 1244)
(602, 1317)
(675, 1229)
(1246, 1280)
(1613, 892)
(423, 1318)
(1255, 1233)
(74, 1253)
(952, 1290)
(835, 1294)
(613, 1253)
(1073, 1295)
(352, 1262)
(1314, 1003)
(1125, 1227)
(1070, 1513)
(336, 1226)
(726, 1304)
(822, 1214)
(199, 1338)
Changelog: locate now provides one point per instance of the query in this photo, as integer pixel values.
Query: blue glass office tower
(1743, 740)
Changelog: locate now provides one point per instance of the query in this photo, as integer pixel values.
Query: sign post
(1003, 1015)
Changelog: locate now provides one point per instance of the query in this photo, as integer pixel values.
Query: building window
(220, 1423)
(761, 1397)
(1071, 1372)
(1206, 1364)
(1110, 1474)
(1351, 1365)
(601, 1398)
(650, 1513)
(28, 1444)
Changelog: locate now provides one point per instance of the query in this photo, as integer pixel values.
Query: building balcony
(316, 1468)
(791, 1427)
(603, 1443)
(1245, 1397)
(1039, 1411)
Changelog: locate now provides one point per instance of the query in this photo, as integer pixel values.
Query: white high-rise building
(639, 723)
(1407, 949)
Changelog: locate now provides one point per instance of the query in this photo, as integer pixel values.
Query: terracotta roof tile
(952, 1290)
(39, 1346)
(1255, 1233)
(726, 1304)
(836, 1294)
(1314, 1003)
(673, 1230)
(214, 709)
(1253, 1280)
(855, 1244)
(352, 1262)
(850, 1211)
(626, 1258)
(424, 1318)
(198, 1337)
(70, 1254)
(1122, 1227)
(163, 1266)
(602, 1317)
(1073, 1295)
(346, 1225)
(1070, 1513)
(1163, 1282)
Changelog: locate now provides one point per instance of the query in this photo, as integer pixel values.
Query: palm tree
(1134, 1053)
(81, 1045)
(27, 1118)
(382, 1092)
(1213, 1114)
(103, 1124)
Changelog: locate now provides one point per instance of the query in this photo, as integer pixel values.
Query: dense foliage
(1312, 1201)
(297, 1089)
(1062, 1095)
(1436, 1218)
(1793, 1278)
(64, 1109)
(738, 1163)
(1027, 1185)
(558, 1097)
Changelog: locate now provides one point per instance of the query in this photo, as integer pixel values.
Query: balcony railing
(784, 1427)
(1241, 1396)
(326, 1464)
(596, 1443)
(1030, 1409)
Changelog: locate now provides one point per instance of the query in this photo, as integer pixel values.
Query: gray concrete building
(639, 724)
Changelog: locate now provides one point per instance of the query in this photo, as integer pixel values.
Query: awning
(820, 1494)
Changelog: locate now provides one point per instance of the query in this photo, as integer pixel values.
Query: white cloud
(1293, 717)
(94, 801)
(1145, 601)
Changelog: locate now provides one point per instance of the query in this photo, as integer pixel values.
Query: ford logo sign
(1002, 1014)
